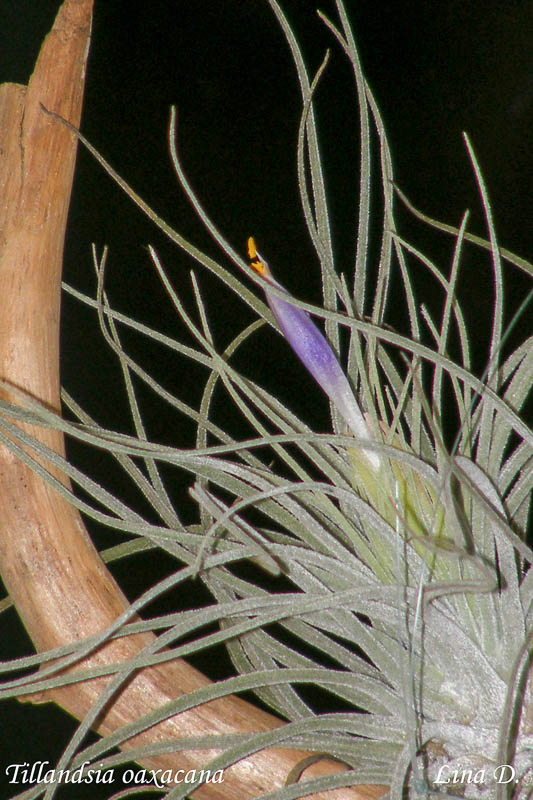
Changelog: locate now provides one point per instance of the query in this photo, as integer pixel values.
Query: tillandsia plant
(406, 588)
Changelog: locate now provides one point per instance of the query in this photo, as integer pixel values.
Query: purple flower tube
(314, 352)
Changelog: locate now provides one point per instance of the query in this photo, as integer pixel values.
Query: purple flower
(313, 350)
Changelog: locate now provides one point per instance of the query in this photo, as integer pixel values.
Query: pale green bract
(411, 583)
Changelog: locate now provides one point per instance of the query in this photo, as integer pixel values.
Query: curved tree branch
(61, 588)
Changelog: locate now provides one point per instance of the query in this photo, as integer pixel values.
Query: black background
(436, 70)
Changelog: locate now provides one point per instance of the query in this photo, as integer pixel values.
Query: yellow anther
(255, 262)
(252, 249)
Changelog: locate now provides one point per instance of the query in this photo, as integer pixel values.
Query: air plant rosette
(404, 564)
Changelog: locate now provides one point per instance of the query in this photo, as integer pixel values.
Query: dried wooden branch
(61, 588)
